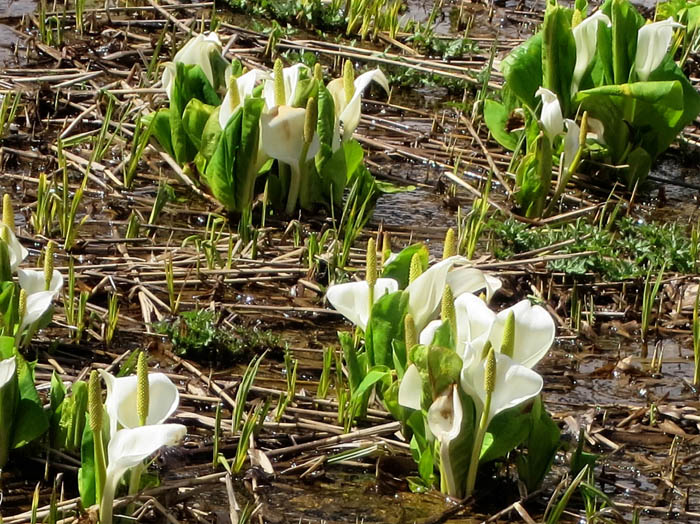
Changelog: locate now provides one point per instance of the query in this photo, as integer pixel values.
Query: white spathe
(291, 76)
(445, 422)
(411, 388)
(196, 51)
(470, 280)
(8, 370)
(352, 298)
(348, 112)
(586, 38)
(474, 321)
(39, 299)
(245, 83)
(163, 399)
(652, 45)
(571, 142)
(16, 251)
(551, 116)
(33, 281)
(514, 384)
(129, 448)
(425, 292)
(282, 135)
(534, 332)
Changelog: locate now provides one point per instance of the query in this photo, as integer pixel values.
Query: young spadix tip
(142, 391)
(371, 263)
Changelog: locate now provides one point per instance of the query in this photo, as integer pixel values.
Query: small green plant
(696, 340)
(611, 70)
(112, 318)
(624, 248)
(648, 298)
(198, 335)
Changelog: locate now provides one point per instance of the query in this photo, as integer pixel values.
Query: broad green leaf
(356, 373)
(496, 117)
(542, 445)
(58, 391)
(9, 396)
(558, 54)
(626, 21)
(161, 130)
(399, 268)
(374, 375)
(385, 325)
(194, 119)
(326, 126)
(639, 163)
(219, 172)
(444, 368)
(522, 70)
(506, 431)
(339, 169)
(246, 163)
(30, 423)
(86, 473)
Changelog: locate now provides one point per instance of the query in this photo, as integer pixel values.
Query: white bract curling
(283, 135)
(348, 112)
(245, 85)
(445, 422)
(534, 332)
(411, 388)
(197, 51)
(514, 385)
(586, 37)
(16, 251)
(652, 45)
(352, 298)
(129, 448)
(121, 400)
(571, 142)
(39, 299)
(551, 116)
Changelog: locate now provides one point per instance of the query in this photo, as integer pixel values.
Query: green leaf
(194, 119)
(58, 391)
(326, 126)
(162, 131)
(246, 163)
(339, 170)
(626, 22)
(459, 449)
(506, 431)
(86, 473)
(444, 368)
(542, 445)
(496, 117)
(639, 163)
(399, 268)
(558, 54)
(385, 325)
(522, 70)
(30, 423)
(374, 375)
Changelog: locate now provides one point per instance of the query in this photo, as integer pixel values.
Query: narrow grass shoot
(648, 298)
(174, 301)
(554, 513)
(217, 436)
(112, 318)
(324, 381)
(142, 133)
(696, 339)
(165, 194)
(290, 368)
(8, 111)
(242, 394)
(133, 227)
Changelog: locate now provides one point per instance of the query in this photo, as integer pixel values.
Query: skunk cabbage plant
(456, 373)
(283, 133)
(611, 69)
